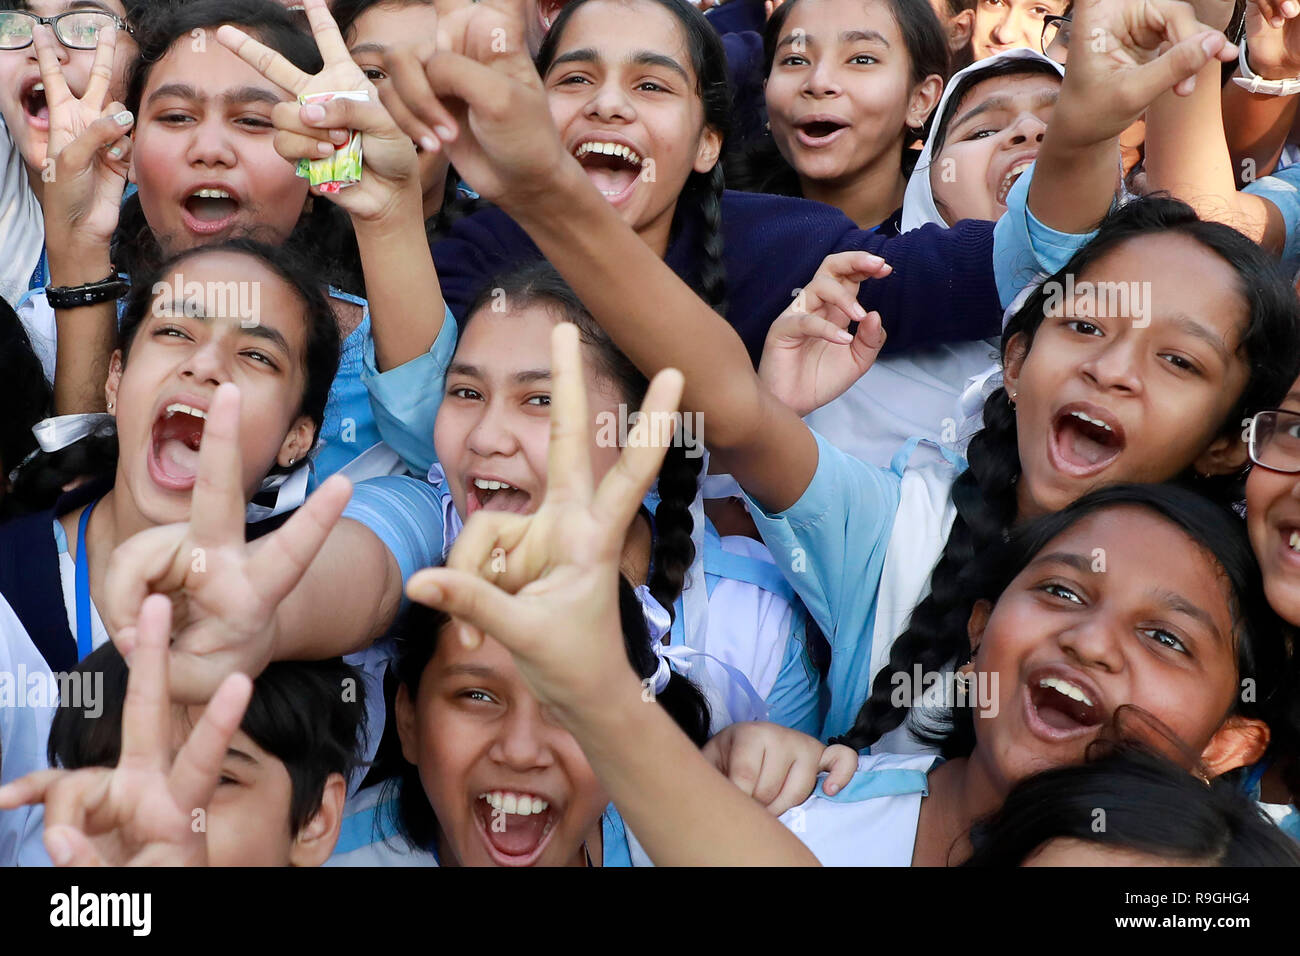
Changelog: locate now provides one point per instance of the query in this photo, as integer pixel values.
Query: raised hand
(778, 766)
(545, 584)
(1126, 53)
(88, 147)
(140, 813)
(475, 94)
(390, 169)
(1273, 38)
(810, 357)
(225, 590)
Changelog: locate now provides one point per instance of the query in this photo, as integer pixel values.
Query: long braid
(713, 270)
(674, 551)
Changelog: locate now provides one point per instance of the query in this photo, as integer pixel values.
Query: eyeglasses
(1056, 37)
(1274, 441)
(76, 29)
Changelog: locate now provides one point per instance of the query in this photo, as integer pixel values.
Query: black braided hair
(673, 550)
(417, 633)
(702, 192)
(985, 494)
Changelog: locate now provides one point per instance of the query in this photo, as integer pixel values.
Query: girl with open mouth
(206, 167)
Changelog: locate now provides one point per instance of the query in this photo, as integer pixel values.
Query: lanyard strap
(39, 275)
(85, 641)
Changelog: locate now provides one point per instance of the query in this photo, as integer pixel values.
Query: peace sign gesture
(88, 146)
(314, 130)
(225, 589)
(545, 584)
(141, 812)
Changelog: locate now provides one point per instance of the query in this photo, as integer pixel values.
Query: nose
(1027, 128)
(207, 364)
(822, 80)
(210, 145)
(1094, 642)
(1005, 31)
(493, 434)
(523, 743)
(1114, 367)
(609, 103)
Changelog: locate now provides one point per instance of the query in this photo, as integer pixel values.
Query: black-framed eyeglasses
(1274, 440)
(1056, 37)
(75, 29)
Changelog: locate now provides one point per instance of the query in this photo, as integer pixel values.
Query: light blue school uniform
(369, 836)
(1282, 189)
(25, 719)
(873, 820)
(747, 652)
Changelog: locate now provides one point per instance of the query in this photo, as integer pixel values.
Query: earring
(1011, 399)
(110, 406)
(291, 461)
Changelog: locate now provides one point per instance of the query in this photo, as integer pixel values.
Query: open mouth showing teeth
(611, 166)
(515, 825)
(491, 495)
(34, 104)
(1085, 443)
(1010, 178)
(211, 205)
(1292, 539)
(1063, 705)
(177, 435)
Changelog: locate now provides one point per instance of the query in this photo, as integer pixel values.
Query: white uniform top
(26, 713)
(22, 226)
(872, 821)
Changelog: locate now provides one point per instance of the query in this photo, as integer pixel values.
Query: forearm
(1256, 128)
(1075, 179)
(659, 322)
(86, 336)
(348, 597)
(405, 300)
(1187, 156)
(693, 816)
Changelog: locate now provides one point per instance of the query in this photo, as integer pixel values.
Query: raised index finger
(146, 714)
(568, 460)
(263, 59)
(329, 41)
(101, 70)
(217, 505)
(47, 57)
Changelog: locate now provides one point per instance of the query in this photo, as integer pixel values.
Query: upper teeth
(1066, 688)
(1092, 421)
(487, 484)
(520, 804)
(38, 88)
(608, 149)
(1295, 541)
(1013, 172)
(212, 194)
(175, 407)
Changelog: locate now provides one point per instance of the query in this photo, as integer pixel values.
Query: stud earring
(110, 406)
(291, 461)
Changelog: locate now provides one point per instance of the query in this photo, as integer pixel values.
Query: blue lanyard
(85, 641)
(39, 277)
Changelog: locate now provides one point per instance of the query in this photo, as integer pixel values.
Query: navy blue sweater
(941, 289)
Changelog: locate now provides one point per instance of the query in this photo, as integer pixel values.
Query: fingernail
(116, 152)
(325, 149)
(843, 337)
(428, 144)
(57, 845)
(1277, 22)
(444, 131)
(123, 118)
(1211, 44)
(313, 113)
(830, 789)
(340, 135)
(859, 311)
(1291, 8)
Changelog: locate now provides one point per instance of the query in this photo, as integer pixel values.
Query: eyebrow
(240, 755)
(258, 330)
(1077, 561)
(1003, 101)
(371, 47)
(244, 94)
(640, 58)
(523, 378)
(860, 36)
(1176, 602)
(1195, 329)
(470, 670)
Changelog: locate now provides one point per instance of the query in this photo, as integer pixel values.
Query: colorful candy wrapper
(342, 169)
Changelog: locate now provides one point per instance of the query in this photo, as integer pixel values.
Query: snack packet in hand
(343, 168)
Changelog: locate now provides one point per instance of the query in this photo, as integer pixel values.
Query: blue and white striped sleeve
(405, 514)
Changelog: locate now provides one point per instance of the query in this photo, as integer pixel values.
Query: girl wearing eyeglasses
(24, 136)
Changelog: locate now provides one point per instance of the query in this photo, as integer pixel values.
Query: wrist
(72, 265)
(554, 197)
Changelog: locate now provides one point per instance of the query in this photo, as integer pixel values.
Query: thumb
(100, 134)
(68, 846)
(1177, 67)
(484, 606)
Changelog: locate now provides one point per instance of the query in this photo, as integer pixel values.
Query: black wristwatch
(92, 293)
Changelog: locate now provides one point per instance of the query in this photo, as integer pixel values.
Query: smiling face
(22, 94)
(195, 338)
(494, 426)
(994, 135)
(622, 99)
(1140, 396)
(1072, 639)
(385, 27)
(508, 786)
(204, 155)
(1273, 519)
(1007, 24)
(840, 91)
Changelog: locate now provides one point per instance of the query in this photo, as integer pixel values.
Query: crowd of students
(892, 460)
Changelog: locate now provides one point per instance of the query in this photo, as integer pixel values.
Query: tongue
(1056, 719)
(178, 460)
(211, 210)
(520, 835)
(505, 500)
(1081, 444)
(611, 180)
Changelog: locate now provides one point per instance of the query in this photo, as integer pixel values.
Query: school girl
(207, 170)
